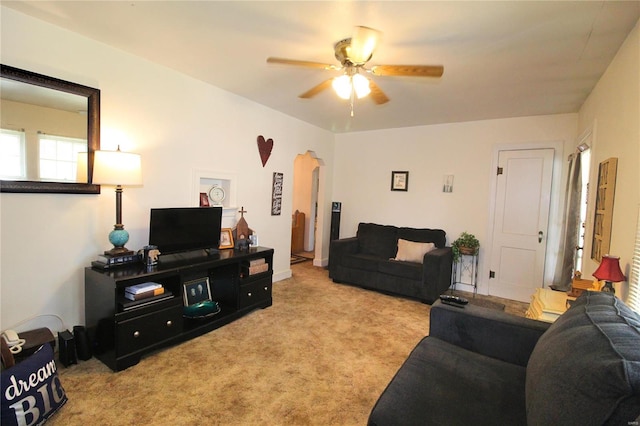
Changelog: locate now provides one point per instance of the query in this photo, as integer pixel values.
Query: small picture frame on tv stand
(226, 238)
(196, 291)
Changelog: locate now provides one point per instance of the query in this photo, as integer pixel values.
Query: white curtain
(634, 279)
(571, 227)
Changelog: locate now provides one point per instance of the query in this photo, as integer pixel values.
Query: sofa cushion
(424, 235)
(585, 369)
(377, 240)
(408, 270)
(442, 384)
(411, 251)
(364, 262)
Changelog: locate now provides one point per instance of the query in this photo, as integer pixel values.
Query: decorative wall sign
(276, 194)
(264, 148)
(400, 181)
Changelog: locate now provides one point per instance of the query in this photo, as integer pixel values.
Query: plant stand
(466, 267)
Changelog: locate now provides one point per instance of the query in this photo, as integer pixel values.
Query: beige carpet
(322, 354)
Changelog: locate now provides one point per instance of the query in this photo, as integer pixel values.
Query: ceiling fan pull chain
(351, 98)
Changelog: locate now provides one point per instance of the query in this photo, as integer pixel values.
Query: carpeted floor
(322, 354)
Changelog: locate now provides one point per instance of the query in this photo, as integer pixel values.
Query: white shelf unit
(203, 180)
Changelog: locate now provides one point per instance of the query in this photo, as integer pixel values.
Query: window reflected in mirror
(49, 131)
(43, 130)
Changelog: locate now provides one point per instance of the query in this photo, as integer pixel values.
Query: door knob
(540, 234)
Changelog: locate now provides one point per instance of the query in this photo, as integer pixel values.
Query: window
(12, 154)
(585, 168)
(634, 279)
(59, 157)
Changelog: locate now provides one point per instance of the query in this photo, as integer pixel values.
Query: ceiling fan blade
(363, 42)
(377, 94)
(409, 70)
(316, 89)
(307, 64)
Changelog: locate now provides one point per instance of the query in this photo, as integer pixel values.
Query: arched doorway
(307, 187)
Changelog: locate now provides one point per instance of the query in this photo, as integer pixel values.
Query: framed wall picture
(204, 199)
(399, 181)
(196, 291)
(226, 239)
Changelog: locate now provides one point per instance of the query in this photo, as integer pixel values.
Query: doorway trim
(553, 230)
(321, 235)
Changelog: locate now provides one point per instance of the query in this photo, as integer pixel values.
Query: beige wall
(613, 111)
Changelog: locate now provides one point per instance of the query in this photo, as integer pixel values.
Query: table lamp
(609, 271)
(118, 169)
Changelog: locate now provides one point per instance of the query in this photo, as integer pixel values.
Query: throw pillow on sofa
(411, 251)
(31, 390)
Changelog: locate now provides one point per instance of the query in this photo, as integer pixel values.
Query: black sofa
(486, 367)
(367, 260)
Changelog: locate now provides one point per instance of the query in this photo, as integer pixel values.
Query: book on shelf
(97, 264)
(141, 288)
(126, 304)
(256, 269)
(144, 294)
(118, 260)
(255, 262)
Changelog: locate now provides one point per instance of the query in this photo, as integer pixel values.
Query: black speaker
(336, 207)
(83, 345)
(66, 348)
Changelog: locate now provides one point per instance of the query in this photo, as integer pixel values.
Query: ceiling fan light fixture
(342, 86)
(363, 43)
(361, 85)
(345, 85)
(353, 53)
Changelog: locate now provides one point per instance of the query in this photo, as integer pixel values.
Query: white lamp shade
(117, 168)
(361, 85)
(363, 43)
(342, 86)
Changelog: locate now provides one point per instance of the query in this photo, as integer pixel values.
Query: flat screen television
(183, 229)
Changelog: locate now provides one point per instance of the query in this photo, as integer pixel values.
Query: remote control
(453, 300)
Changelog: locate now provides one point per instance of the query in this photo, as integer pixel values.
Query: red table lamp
(609, 271)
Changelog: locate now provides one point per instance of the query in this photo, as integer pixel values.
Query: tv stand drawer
(146, 330)
(255, 292)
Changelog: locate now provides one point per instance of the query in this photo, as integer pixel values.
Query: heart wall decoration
(264, 148)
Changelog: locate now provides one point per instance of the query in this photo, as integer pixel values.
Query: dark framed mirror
(52, 129)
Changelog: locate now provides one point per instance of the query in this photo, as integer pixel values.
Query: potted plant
(465, 244)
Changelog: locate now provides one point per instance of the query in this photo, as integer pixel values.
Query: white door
(523, 193)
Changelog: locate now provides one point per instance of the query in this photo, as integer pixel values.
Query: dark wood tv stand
(120, 337)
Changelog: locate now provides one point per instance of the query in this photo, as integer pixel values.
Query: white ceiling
(501, 58)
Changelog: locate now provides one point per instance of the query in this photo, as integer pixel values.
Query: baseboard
(281, 275)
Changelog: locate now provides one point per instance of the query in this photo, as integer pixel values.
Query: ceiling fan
(353, 54)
